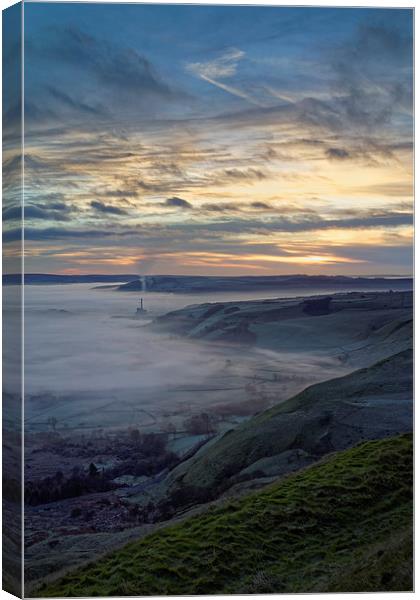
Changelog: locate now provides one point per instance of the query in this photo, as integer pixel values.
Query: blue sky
(211, 139)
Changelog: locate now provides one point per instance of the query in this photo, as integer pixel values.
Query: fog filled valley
(137, 420)
(91, 364)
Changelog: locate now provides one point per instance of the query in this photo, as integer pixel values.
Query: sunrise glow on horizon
(216, 141)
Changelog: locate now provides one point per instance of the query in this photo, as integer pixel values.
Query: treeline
(59, 487)
(144, 455)
(137, 455)
(144, 466)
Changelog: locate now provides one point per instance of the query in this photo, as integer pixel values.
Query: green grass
(343, 524)
(298, 422)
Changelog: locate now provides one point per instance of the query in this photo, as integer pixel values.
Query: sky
(214, 140)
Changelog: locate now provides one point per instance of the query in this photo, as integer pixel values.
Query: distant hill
(201, 284)
(195, 284)
(342, 525)
(357, 328)
(51, 279)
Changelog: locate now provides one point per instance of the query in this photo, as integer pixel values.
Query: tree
(59, 476)
(153, 444)
(199, 424)
(170, 428)
(135, 436)
(76, 470)
(93, 470)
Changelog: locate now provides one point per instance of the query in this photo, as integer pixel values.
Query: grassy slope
(343, 524)
(299, 422)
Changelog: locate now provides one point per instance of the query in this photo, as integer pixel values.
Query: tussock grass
(343, 524)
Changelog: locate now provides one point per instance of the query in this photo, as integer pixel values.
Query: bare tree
(199, 424)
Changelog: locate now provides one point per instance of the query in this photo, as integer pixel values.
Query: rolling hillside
(355, 328)
(344, 524)
(369, 403)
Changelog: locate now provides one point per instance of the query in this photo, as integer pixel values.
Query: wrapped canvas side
(208, 299)
(12, 300)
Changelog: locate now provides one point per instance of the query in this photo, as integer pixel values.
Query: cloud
(34, 113)
(396, 188)
(337, 153)
(220, 68)
(261, 205)
(244, 174)
(368, 84)
(224, 66)
(80, 107)
(175, 202)
(12, 213)
(58, 206)
(118, 193)
(115, 66)
(83, 69)
(373, 74)
(159, 184)
(187, 232)
(153, 187)
(218, 207)
(306, 114)
(54, 233)
(305, 223)
(32, 161)
(109, 209)
(55, 212)
(222, 207)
